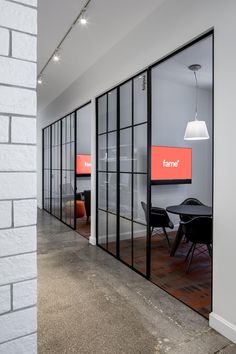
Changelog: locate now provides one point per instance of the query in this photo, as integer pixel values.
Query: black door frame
(206, 34)
(74, 114)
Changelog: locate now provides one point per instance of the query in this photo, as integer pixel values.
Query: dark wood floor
(169, 273)
(83, 227)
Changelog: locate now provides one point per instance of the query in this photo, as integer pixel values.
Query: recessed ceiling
(109, 22)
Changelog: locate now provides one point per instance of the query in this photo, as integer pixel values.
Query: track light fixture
(83, 19)
(56, 56)
(40, 80)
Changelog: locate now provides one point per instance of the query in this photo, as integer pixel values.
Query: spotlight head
(83, 21)
(40, 80)
(56, 56)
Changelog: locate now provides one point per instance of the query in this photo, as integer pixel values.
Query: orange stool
(79, 211)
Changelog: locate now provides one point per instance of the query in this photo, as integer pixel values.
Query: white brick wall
(24, 294)
(17, 185)
(24, 345)
(16, 16)
(17, 324)
(17, 101)
(5, 299)
(17, 72)
(17, 158)
(4, 40)
(4, 127)
(6, 214)
(24, 212)
(19, 240)
(24, 46)
(18, 268)
(23, 130)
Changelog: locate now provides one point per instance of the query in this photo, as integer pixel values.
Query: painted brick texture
(18, 266)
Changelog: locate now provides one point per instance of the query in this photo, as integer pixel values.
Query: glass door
(122, 172)
(47, 169)
(83, 170)
(68, 170)
(56, 169)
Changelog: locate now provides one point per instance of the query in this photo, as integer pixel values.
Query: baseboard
(222, 326)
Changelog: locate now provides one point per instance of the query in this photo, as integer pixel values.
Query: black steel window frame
(49, 127)
(148, 70)
(118, 171)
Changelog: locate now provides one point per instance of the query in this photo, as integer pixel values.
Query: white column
(18, 41)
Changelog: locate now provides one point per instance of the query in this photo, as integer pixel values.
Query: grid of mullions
(47, 169)
(59, 169)
(122, 172)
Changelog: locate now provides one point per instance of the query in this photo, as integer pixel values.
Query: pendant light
(196, 129)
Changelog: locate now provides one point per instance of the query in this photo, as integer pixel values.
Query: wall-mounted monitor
(83, 165)
(171, 165)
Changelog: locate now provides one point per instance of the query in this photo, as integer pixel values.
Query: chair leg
(209, 250)
(167, 238)
(189, 251)
(191, 258)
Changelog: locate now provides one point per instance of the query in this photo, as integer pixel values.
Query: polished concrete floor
(88, 302)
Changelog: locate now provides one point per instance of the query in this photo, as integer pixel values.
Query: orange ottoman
(79, 211)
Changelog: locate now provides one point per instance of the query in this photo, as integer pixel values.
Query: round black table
(190, 210)
(187, 210)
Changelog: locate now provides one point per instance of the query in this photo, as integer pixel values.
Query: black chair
(158, 219)
(198, 231)
(189, 201)
(87, 203)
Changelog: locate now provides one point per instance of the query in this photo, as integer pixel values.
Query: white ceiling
(109, 22)
(176, 68)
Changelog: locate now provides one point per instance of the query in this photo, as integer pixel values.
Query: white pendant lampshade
(196, 130)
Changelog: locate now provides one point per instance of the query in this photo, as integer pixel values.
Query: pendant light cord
(195, 75)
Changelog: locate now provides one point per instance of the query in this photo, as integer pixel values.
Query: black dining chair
(158, 219)
(189, 201)
(198, 231)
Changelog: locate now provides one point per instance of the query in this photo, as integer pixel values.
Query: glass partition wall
(83, 169)
(63, 190)
(122, 172)
(149, 113)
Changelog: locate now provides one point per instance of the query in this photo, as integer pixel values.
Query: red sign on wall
(83, 164)
(171, 163)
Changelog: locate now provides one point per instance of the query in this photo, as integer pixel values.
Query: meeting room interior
(154, 173)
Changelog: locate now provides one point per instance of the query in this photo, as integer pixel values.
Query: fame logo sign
(171, 163)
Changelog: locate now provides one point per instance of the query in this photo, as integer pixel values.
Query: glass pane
(102, 190)
(102, 114)
(125, 195)
(112, 182)
(102, 228)
(125, 241)
(111, 149)
(140, 148)
(139, 247)
(47, 163)
(126, 150)
(102, 153)
(111, 246)
(139, 195)
(126, 104)
(112, 110)
(140, 99)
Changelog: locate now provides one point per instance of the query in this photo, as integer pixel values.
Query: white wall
(18, 206)
(173, 105)
(172, 25)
